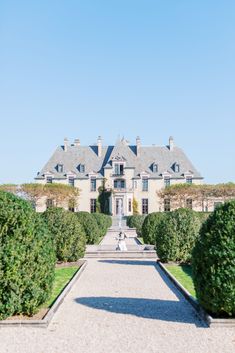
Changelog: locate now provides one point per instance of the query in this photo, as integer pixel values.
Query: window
(167, 205)
(189, 180)
(167, 181)
(82, 168)
(118, 169)
(49, 203)
(129, 205)
(189, 203)
(145, 206)
(144, 184)
(93, 184)
(217, 204)
(155, 168)
(119, 184)
(177, 168)
(49, 180)
(93, 205)
(71, 181)
(60, 168)
(135, 184)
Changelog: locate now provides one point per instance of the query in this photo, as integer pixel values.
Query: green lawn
(62, 277)
(183, 274)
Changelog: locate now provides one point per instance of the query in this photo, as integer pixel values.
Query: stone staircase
(107, 247)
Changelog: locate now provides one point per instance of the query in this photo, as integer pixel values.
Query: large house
(132, 172)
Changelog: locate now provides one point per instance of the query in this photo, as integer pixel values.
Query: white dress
(122, 244)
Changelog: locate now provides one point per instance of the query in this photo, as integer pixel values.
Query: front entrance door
(119, 206)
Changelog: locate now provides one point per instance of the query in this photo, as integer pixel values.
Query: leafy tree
(136, 221)
(135, 207)
(103, 198)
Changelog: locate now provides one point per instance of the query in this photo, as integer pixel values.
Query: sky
(80, 69)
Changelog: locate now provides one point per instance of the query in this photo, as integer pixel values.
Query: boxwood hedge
(149, 227)
(213, 262)
(90, 227)
(27, 258)
(136, 221)
(176, 235)
(68, 234)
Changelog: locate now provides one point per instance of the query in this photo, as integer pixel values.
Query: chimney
(138, 144)
(171, 143)
(77, 142)
(99, 145)
(66, 144)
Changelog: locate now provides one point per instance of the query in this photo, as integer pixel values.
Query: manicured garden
(203, 247)
(30, 246)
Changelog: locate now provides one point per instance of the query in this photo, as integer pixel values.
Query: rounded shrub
(27, 258)
(136, 221)
(90, 227)
(104, 222)
(214, 262)
(176, 235)
(149, 227)
(67, 233)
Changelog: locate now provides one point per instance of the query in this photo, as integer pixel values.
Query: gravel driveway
(121, 306)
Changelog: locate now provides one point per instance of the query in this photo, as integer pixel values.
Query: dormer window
(155, 168)
(119, 169)
(60, 168)
(177, 168)
(82, 168)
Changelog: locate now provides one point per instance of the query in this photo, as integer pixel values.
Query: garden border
(211, 322)
(44, 322)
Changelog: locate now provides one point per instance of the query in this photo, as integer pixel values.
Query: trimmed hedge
(176, 235)
(136, 221)
(214, 262)
(27, 258)
(149, 227)
(68, 234)
(90, 226)
(104, 222)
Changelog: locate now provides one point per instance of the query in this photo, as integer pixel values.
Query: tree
(59, 193)
(135, 207)
(103, 198)
(202, 195)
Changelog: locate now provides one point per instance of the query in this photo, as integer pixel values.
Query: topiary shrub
(104, 222)
(136, 221)
(68, 234)
(90, 227)
(176, 235)
(151, 222)
(27, 258)
(214, 262)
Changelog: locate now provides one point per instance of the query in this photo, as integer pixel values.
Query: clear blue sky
(108, 67)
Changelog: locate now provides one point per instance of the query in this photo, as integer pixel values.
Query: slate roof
(142, 162)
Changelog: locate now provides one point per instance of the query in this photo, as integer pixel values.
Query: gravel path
(121, 306)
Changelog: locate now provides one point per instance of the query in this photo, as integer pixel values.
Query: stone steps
(150, 254)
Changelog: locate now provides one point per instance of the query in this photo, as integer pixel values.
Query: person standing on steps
(121, 242)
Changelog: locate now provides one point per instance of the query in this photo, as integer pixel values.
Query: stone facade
(131, 172)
